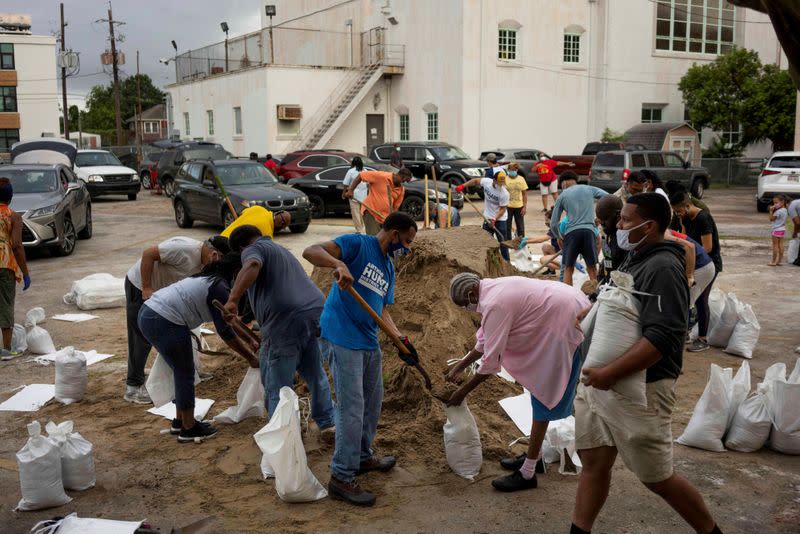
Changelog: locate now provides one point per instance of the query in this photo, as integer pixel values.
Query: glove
(460, 188)
(413, 357)
(26, 281)
(493, 221)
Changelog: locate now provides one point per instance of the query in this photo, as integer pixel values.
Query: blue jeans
(502, 229)
(297, 350)
(358, 381)
(174, 343)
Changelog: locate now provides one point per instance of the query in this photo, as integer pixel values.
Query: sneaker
(137, 394)
(198, 433)
(175, 427)
(514, 482)
(698, 345)
(350, 492)
(6, 354)
(377, 464)
(515, 463)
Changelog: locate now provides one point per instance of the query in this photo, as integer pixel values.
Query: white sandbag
(160, 384)
(716, 304)
(77, 461)
(282, 445)
(70, 375)
(745, 334)
(739, 390)
(785, 442)
(249, 400)
(720, 332)
(794, 377)
(616, 329)
(19, 341)
(35, 316)
(37, 338)
(559, 445)
(72, 524)
(97, 291)
(39, 462)
(710, 417)
(462, 442)
(750, 428)
(794, 249)
(587, 327)
(784, 405)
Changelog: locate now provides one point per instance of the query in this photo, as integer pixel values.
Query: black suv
(451, 163)
(171, 160)
(197, 195)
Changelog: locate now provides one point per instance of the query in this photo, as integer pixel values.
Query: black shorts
(581, 241)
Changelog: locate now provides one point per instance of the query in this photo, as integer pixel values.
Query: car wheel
(227, 218)
(414, 207)
(86, 233)
(67, 245)
(762, 207)
(298, 228)
(182, 215)
(698, 188)
(132, 196)
(169, 187)
(145, 180)
(317, 206)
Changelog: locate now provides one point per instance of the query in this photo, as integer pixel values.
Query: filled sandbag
(77, 460)
(39, 463)
(720, 331)
(559, 446)
(462, 442)
(750, 427)
(793, 250)
(71, 375)
(37, 338)
(745, 334)
(97, 291)
(249, 400)
(716, 304)
(19, 339)
(784, 406)
(738, 391)
(281, 443)
(710, 416)
(160, 384)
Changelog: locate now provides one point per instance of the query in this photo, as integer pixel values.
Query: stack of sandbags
(733, 325)
(77, 460)
(40, 478)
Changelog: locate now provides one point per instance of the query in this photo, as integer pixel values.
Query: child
(778, 214)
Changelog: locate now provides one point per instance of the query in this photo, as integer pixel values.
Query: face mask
(397, 149)
(397, 250)
(512, 173)
(623, 238)
(470, 306)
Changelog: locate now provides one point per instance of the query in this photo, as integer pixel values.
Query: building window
(572, 48)
(8, 99)
(433, 126)
(7, 138)
(210, 117)
(186, 129)
(237, 121)
(7, 56)
(151, 127)
(697, 26)
(405, 124)
(651, 114)
(507, 44)
(732, 136)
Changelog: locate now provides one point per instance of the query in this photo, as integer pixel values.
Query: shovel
(517, 243)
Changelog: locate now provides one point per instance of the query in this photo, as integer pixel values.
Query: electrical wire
(590, 76)
(667, 3)
(334, 6)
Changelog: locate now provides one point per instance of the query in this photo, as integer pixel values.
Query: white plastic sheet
(160, 382)
(520, 411)
(39, 462)
(97, 291)
(74, 317)
(462, 442)
(559, 444)
(168, 411)
(77, 461)
(794, 248)
(72, 524)
(29, 399)
(249, 400)
(71, 375)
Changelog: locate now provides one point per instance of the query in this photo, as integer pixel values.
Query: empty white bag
(19, 341)
(710, 417)
(72, 524)
(70, 375)
(720, 331)
(37, 338)
(77, 461)
(750, 428)
(745, 334)
(559, 444)
(462, 442)
(281, 443)
(160, 384)
(97, 291)
(249, 400)
(39, 462)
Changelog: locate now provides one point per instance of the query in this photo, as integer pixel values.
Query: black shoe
(515, 464)
(375, 463)
(175, 427)
(514, 482)
(198, 433)
(350, 492)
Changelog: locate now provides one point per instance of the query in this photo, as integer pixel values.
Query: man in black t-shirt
(699, 225)
(607, 212)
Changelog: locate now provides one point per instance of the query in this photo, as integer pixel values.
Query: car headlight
(135, 177)
(472, 171)
(41, 212)
(445, 167)
(302, 201)
(95, 178)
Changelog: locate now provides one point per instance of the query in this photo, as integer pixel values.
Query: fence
(733, 171)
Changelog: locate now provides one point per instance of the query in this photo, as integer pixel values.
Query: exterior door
(374, 130)
(683, 146)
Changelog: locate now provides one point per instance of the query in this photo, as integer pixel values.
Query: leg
(138, 346)
(278, 369)
(347, 367)
(703, 311)
(538, 431)
(572, 243)
(313, 373)
(593, 484)
(373, 397)
(519, 221)
(8, 293)
(545, 191)
(502, 228)
(780, 250)
(684, 499)
(774, 261)
(355, 213)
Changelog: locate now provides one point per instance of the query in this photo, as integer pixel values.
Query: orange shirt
(377, 201)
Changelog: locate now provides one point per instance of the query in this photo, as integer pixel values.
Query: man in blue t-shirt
(287, 306)
(350, 342)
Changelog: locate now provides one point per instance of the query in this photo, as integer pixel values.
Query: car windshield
(247, 174)
(31, 181)
(205, 153)
(448, 153)
(785, 162)
(95, 159)
(609, 160)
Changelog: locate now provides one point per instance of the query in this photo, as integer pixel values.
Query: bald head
(607, 211)
(461, 286)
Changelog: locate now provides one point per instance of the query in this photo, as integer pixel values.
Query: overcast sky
(149, 27)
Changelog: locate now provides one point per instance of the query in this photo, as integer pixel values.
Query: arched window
(573, 35)
(431, 121)
(508, 33)
(404, 123)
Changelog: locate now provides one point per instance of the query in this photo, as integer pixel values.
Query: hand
(343, 277)
(254, 345)
(231, 310)
(452, 375)
(456, 399)
(460, 188)
(147, 292)
(561, 244)
(413, 357)
(523, 210)
(493, 222)
(690, 281)
(571, 164)
(347, 194)
(26, 281)
(597, 378)
(581, 316)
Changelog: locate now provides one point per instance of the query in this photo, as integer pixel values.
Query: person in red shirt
(548, 181)
(271, 165)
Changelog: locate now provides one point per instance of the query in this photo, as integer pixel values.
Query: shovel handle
(218, 305)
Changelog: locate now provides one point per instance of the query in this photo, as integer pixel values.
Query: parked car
(55, 206)
(611, 169)
(104, 174)
(583, 163)
(526, 157)
(248, 183)
(324, 189)
(781, 174)
(175, 156)
(297, 164)
(452, 164)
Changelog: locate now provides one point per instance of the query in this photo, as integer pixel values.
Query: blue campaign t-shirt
(344, 322)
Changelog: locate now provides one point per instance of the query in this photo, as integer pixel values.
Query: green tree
(736, 89)
(611, 136)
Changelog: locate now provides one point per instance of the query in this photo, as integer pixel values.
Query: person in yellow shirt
(263, 219)
(517, 199)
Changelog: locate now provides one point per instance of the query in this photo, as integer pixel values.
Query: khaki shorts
(549, 189)
(642, 435)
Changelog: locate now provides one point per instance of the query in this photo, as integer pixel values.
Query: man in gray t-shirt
(287, 306)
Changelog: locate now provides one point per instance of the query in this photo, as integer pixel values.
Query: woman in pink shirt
(531, 328)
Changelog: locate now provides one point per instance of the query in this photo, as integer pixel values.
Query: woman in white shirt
(356, 166)
(653, 184)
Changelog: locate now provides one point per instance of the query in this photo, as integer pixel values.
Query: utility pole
(138, 123)
(64, 76)
(115, 66)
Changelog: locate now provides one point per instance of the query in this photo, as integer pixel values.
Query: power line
(590, 76)
(58, 78)
(666, 3)
(334, 6)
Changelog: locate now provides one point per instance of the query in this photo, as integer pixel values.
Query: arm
(772, 216)
(597, 192)
(149, 258)
(524, 199)
(17, 248)
(219, 292)
(796, 224)
(460, 394)
(567, 163)
(348, 192)
(328, 254)
(642, 355)
(689, 254)
(555, 219)
(544, 238)
(470, 183)
(387, 318)
(246, 278)
(707, 242)
(500, 212)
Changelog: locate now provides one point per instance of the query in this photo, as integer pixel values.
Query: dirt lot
(142, 474)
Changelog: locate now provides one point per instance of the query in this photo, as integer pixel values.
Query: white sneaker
(137, 395)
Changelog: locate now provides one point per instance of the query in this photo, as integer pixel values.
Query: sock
(575, 530)
(716, 530)
(528, 469)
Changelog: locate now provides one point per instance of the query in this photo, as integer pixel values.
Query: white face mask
(470, 306)
(623, 238)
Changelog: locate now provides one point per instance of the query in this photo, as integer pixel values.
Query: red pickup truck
(583, 163)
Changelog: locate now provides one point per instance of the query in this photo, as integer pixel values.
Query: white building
(476, 73)
(28, 87)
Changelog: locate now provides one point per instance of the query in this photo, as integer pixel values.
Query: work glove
(26, 281)
(460, 188)
(413, 357)
(493, 222)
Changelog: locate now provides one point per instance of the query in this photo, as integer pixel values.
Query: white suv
(781, 174)
(104, 174)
